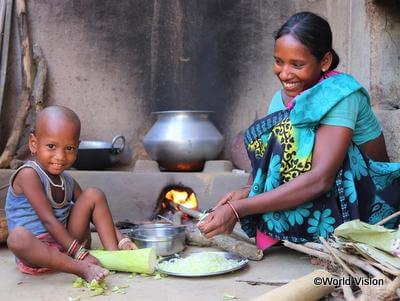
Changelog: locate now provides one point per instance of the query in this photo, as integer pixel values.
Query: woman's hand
(233, 195)
(220, 221)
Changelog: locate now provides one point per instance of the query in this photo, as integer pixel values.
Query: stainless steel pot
(166, 240)
(97, 155)
(183, 140)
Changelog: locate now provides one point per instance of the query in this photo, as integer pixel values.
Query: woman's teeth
(289, 85)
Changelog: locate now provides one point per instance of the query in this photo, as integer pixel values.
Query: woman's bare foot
(93, 272)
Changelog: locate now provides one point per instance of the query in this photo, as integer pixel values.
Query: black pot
(98, 155)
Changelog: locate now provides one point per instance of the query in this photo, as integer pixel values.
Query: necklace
(48, 178)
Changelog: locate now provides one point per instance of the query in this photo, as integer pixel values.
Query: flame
(182, 198)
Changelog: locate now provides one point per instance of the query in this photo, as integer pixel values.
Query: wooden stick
(194, 238)
(4, 47)
(362, 264)
(2, 17)
(393, 286)
(385, 268)
(303, 249)
(177, 218)
(240, 247)
(40, 79)
(338, 259)
(18, 128)
(265, 282)
(388, 218)
(23, 110)
(347, 292)
(225, 242)
(26, 49)
(4, 186)
(315, 246)
(301, 289)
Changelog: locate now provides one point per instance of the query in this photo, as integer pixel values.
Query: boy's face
(55, 145)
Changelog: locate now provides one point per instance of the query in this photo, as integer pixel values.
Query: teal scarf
(280, 148)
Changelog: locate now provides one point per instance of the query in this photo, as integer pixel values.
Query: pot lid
(182, 112)
(94, 144)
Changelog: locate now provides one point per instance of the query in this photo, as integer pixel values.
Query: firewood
(301, 289)
(26, 49)
(177, 218)
(333, 252)
(226, 243)
(347, 292)
(40, 79)
(27, 71)
(194, 238)
(18, 128)
(306, 250)
(388, 218)
(264, 282)
(6, 14)
(2, 17)
(198, 215)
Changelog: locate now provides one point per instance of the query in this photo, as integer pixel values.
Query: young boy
(48, 214)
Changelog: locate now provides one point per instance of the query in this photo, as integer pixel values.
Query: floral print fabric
(280, 148)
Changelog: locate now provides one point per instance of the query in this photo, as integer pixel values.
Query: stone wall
(116, 63)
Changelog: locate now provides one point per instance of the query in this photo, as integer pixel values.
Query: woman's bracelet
(234, 211)
(123, 241)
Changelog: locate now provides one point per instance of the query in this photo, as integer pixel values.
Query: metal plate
(242, 262)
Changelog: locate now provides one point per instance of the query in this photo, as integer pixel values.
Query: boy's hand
(127, 244)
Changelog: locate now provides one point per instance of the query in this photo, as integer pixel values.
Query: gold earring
(323, 70)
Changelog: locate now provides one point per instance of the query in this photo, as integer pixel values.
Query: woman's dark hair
(312, 31)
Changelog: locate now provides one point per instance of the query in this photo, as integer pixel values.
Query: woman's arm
(236, 194)
(330, 148)
(27, 181)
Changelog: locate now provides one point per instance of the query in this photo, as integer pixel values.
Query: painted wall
(116, 62)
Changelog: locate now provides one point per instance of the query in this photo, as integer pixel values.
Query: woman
(319, 158)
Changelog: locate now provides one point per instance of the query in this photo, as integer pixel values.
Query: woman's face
(295, 66)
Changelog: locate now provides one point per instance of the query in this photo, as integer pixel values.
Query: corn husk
(133, 261)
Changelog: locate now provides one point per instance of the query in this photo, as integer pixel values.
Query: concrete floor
(279, 264)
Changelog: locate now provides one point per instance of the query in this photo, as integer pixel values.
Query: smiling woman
(319, 158)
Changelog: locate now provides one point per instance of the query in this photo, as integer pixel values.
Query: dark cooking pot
(95, 155)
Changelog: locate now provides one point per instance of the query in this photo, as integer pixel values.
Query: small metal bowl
(166, 240)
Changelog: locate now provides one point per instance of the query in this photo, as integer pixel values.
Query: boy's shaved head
(55, 116)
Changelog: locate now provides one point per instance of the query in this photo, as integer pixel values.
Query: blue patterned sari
(280, 148)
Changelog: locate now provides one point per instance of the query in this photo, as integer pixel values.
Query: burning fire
(182, 197)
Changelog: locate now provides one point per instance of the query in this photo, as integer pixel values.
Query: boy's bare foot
(93, 272)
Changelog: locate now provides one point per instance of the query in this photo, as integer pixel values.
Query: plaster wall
(116, 63)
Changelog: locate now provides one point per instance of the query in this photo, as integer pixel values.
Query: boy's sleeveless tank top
(20, 212)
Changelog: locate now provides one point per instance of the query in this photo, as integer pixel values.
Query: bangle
(81, 253)
(123, 241)
(72, 248)
(234, 211)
